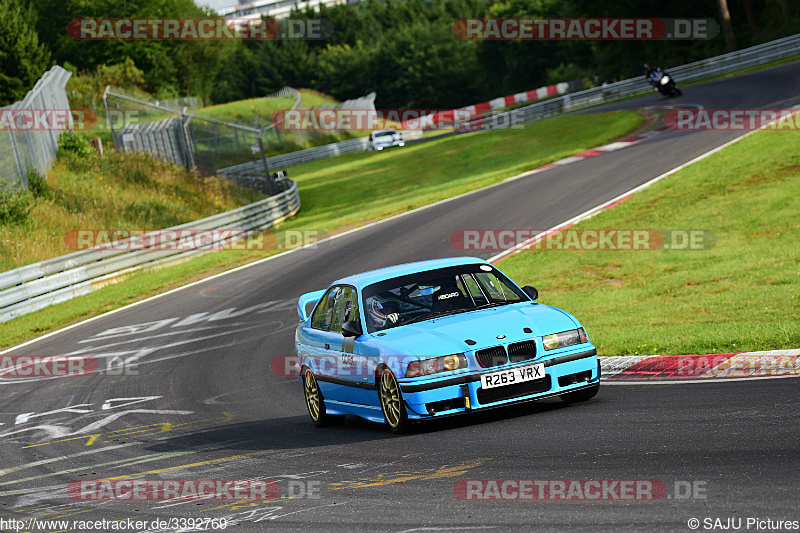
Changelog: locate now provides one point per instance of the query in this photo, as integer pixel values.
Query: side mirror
(351, 328)
(531, 292)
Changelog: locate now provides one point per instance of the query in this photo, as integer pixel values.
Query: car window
(345, 308)
(435, 293)
(473, 289)
(496, 289)
(323, 314)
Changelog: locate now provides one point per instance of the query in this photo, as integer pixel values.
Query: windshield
(425, 295)
(384, 134)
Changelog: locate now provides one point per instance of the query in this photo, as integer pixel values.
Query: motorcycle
(664, 84)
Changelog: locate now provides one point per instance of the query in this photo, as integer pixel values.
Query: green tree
(345, 71)
(23, 59)
(424, 65)
(188, 65)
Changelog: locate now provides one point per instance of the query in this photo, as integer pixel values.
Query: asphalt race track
(198, 398)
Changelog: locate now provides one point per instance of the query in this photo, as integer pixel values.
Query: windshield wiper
(494, 304)
(433, 315)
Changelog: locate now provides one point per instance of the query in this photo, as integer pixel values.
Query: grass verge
(127, 191)
(378, 185)
(743, 294)
(396, 180)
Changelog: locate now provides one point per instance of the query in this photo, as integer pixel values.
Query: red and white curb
(611, 147)
(706, 368)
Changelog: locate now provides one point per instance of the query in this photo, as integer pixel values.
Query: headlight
(565, 338)
(434, 365)
(665, 80)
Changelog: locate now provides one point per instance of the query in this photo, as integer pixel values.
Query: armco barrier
(39, 285)
(300, 157)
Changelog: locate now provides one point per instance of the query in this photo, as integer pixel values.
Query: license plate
(519, 374)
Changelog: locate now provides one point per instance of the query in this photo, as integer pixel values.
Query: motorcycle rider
(654, 76)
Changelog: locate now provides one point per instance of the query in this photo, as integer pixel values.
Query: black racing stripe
(347, 382)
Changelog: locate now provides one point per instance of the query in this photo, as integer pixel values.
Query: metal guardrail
(300, 156)
(33, 287)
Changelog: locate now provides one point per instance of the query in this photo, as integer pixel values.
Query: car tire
(316, 404)
(581, 395)
(392, 405)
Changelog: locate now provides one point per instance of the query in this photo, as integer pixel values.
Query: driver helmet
(382, 313)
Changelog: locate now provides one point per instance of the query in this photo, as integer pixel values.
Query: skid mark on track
(149, 327)
(254, 511)
(444, 471)
(130, 461)
(137, 431)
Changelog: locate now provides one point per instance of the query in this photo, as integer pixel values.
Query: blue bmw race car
(436, 338)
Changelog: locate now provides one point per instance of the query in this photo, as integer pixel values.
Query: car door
(320, 344)
(335, 363)
(352, 366)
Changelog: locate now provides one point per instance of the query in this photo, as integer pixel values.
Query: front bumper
(457, 394)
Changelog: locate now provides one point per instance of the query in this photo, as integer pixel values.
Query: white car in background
(380, 139)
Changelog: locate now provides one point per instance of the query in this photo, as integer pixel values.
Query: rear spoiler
(308, 298)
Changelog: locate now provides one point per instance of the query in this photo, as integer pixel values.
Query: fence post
(108, 115)
(264, 160)
(187, 138)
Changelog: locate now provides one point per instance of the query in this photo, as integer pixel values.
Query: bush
(167, 91)
(37, 183)
(15, 204)
(71, 142)
(124, 74)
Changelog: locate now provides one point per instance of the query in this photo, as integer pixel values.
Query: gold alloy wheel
(312, 395)
(390, 398)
